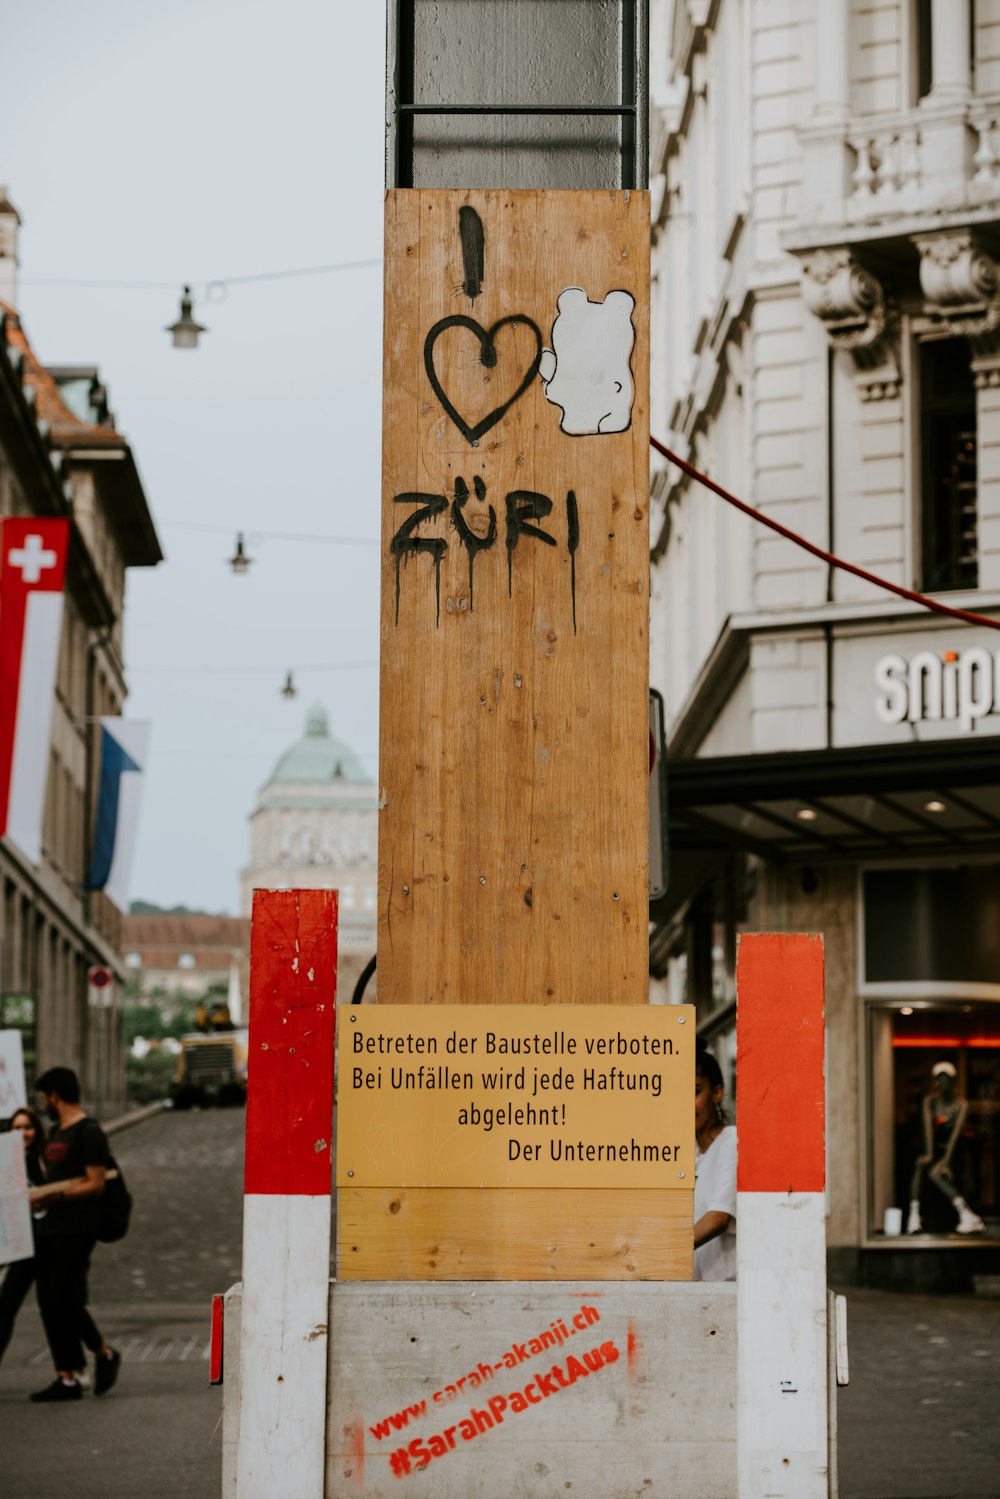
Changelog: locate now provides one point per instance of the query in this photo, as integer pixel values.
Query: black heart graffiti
(488, 359)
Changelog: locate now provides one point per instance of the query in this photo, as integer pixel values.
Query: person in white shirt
(715, 1176)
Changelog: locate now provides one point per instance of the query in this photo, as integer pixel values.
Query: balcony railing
(893, 174)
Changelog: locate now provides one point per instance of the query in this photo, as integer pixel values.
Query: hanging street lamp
(239, 561)
(186, 331)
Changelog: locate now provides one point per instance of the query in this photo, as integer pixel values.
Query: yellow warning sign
(516, 1096)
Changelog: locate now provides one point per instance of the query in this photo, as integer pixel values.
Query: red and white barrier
(288, 1184)
(782, 1440)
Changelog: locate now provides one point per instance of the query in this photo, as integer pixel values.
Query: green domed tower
(315, 827)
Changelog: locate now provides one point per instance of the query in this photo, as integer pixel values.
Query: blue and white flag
(123, 759)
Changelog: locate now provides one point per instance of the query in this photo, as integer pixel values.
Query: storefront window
(935, 1125)
(17, 1013)
(677, 985)
(932, 925)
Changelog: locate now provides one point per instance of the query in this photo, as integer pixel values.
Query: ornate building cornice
(961, 283)
(852, 305)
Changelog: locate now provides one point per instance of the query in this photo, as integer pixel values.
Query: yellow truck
(211, 1069)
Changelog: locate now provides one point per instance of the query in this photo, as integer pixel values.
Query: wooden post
(781, 1240)
(286, 1223)
(513, 768)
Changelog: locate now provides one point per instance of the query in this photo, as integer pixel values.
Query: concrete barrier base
(595, 1390)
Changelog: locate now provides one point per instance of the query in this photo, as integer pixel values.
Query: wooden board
(511, 1234)
(513, 835)
(653, 1413)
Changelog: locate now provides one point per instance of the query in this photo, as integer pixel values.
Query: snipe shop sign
(962, 686)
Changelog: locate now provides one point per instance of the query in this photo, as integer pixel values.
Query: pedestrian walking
(75, 1153)
(714, 1175)
(20, 1276)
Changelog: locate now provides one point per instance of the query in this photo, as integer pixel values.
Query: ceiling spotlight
(239, 561)
(806, 814)
(186, 331)
(289, 690)
(906, 1010)
(933, 806)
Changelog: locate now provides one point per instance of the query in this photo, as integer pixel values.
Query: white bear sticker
(587, 371)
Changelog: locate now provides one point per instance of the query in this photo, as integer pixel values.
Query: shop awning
(838, 806)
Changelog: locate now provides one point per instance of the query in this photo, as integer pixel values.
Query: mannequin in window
(944, 1114)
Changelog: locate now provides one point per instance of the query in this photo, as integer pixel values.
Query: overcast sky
(189, 140)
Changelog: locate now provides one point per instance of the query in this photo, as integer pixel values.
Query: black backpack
(115, 1204)
(116, 1207)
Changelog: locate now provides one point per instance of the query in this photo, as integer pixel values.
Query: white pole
(781, 1424)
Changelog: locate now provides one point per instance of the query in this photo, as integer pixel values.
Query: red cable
(800, 541)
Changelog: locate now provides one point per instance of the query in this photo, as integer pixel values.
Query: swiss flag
(32, 574)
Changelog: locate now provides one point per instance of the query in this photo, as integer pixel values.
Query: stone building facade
(171, 956)
(315, 827)
(60, 455)
(825, 178)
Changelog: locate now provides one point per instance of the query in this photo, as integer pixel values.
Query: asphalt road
(918, 1421)
(921, 1416)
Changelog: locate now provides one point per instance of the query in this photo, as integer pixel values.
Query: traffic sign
(100, 989)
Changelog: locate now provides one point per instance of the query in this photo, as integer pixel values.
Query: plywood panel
(511, 1234)
(513, 835)
(638, 1397)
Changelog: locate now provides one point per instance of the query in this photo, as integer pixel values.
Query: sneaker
(106, 1371)
(969, 1222)
(58, 1390)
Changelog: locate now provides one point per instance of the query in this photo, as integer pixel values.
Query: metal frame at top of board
(633, 110)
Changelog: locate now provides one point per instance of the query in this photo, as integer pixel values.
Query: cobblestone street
(157, 1434)
(917, 1422)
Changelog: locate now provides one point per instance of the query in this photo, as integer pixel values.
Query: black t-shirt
(68, 1153)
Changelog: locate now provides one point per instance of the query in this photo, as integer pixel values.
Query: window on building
(715, 920)
(133, 960)
(950, 539)
(931, 969)
(914, 1111)
(925, 42)
(186, 960)
(932, 926)
(18, 1013)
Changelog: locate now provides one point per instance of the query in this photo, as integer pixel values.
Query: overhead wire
(95, 284)
(252, 533)
(830, 558)
(253, 670)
